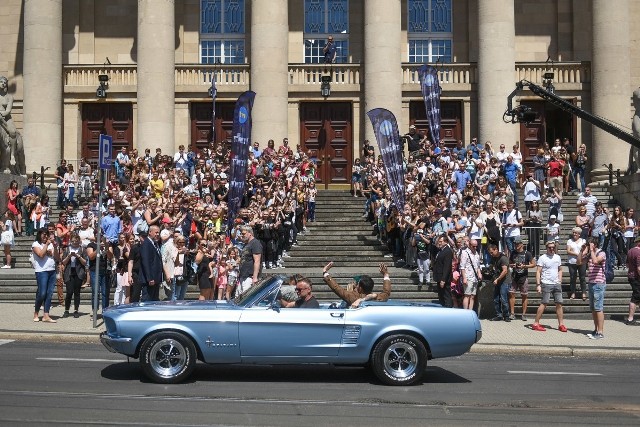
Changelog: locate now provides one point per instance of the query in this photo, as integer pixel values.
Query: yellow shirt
(157, 186)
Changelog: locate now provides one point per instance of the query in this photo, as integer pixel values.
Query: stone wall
(627, 191)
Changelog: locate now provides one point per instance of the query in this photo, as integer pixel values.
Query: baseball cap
(412, 127)
(552, 217)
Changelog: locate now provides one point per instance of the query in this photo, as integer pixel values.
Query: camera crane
(524, 114)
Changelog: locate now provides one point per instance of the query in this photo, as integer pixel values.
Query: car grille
(351, 335)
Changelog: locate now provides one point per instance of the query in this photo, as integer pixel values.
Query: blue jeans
(311, 214)
(510, 244)
(60, 198)
(72, 192)
(179, 291)
(103, 287)
(501, 299)
(46, 281)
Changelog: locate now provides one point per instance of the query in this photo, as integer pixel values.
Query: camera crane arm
(524, 114)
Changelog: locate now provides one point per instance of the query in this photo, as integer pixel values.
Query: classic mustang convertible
(395, 338)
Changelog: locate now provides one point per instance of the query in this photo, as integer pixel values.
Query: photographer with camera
(520, 262)
(500, 274)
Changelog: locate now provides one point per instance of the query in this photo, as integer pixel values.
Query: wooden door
(326, 134)
(550, 123)
(450, 124)
(112, 118)
(201, 133)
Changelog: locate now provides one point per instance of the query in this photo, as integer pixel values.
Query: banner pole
(98, 244)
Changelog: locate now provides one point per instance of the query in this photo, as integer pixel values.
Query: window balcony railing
(234, 78)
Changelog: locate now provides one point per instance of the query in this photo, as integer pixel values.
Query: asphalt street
(82, 384)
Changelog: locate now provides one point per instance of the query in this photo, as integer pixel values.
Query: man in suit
(442, 271)
(151, 265)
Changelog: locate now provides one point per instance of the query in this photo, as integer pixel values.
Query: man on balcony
(329, 51)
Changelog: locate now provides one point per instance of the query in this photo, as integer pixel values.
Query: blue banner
(239, 154)
(430, 86)
(385, 128)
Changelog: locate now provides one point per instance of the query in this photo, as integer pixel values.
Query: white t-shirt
(531, 192)
(550, 266)
(575, 246)
(85, 235)
(45, 263)
(513, 217)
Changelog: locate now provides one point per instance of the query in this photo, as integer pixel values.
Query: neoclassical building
(161, 56)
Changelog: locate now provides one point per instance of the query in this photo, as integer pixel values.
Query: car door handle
(337, 314)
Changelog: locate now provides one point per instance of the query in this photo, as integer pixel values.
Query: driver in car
(363, 289)
(305, 295)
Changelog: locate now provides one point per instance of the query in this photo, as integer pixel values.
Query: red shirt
(633, 261)
(555, 168)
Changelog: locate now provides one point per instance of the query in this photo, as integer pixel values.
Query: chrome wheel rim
(167, 357)
(400, 360)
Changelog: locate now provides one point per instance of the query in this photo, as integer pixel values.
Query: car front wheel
(399, 360)
(168, 357)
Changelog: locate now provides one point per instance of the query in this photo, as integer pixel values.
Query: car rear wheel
(399, 360)
(168, 357)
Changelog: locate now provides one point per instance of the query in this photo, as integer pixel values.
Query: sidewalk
(514, 337)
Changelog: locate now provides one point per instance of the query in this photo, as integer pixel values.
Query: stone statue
(11, 145)
(634, 152)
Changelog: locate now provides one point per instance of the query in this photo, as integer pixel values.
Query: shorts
(635, 290)
(523, 287)
(471, 288)
(547, 290)
(356, 178)
(596, 296)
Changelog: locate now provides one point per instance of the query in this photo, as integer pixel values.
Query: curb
(505, 349)
(71, 337)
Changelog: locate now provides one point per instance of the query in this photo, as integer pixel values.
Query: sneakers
(562, 328)
(6, 266)
(595, 336)
(76, 315)
(630, 322)
(538, 327)
(65, 314)
(524, 318)
(508, 319)
(512, 317)
(496, 319)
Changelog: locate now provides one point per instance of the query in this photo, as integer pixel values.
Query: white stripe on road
(71, 359)
(585, 374)
(6, 341)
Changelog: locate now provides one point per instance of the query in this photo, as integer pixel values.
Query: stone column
(269, 70)
(382, 62)
(496, 70)
(610, 87)
(42, 79)
(156, 81)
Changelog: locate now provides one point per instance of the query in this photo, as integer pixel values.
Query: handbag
(6, 238)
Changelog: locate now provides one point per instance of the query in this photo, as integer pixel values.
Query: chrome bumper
(107, 340)
(478, 335)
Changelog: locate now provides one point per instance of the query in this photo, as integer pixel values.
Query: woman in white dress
(8, 237)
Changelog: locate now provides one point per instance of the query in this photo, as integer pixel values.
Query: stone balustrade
(567, 75)
(307, 77)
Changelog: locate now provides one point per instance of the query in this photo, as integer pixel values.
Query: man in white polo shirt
(548, 281)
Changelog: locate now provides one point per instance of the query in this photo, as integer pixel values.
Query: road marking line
(71, 359)
(586, 374)
(6, 341)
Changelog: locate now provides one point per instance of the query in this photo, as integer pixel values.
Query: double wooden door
(450, 123)
(109, 118)
(201, 129)
(326, 135)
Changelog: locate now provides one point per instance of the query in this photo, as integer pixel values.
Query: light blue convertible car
(395, 338)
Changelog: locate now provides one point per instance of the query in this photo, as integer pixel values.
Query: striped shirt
(595, 272)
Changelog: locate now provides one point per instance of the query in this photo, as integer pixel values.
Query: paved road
(49, 384)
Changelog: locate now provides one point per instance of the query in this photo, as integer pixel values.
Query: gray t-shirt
(599, 221)
(246, 257)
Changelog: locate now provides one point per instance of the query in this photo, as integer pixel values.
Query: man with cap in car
(364, 287)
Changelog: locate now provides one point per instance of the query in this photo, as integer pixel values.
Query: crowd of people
(164, 224)
(469, 210)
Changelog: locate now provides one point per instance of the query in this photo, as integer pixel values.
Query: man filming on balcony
(330, 51)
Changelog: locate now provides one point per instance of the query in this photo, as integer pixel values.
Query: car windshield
(255, 290)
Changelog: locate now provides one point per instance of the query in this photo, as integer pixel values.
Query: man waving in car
(363, 289)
